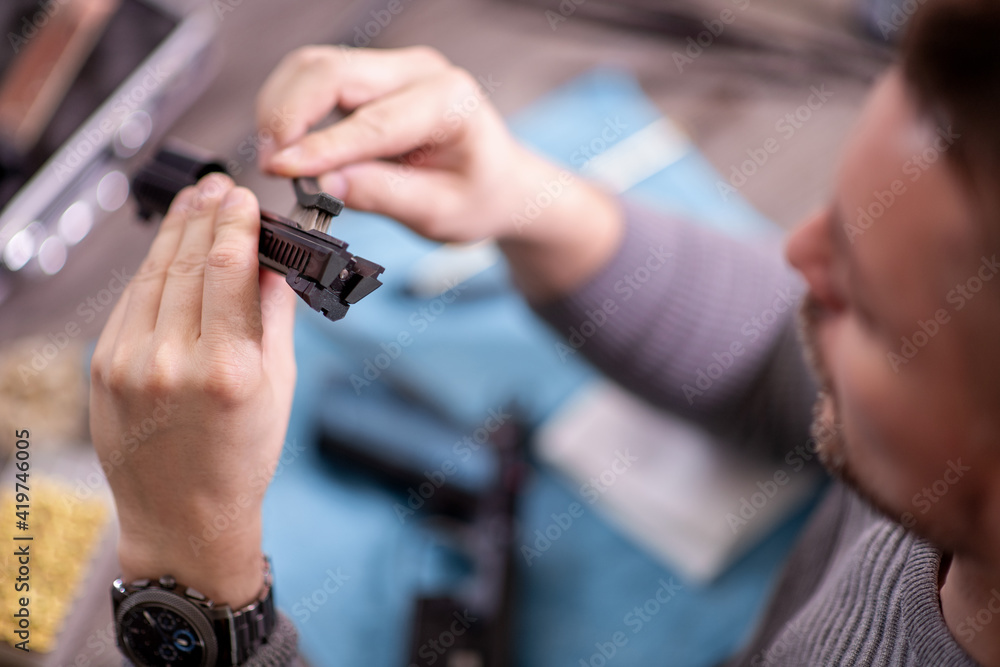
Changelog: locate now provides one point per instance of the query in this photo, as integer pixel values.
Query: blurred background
(728, 112)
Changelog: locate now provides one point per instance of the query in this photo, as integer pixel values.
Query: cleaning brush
(314, 209)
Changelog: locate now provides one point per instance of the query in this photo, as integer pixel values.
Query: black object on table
(316, 265)
(472, 627)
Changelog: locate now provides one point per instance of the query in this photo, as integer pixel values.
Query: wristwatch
(161, 623)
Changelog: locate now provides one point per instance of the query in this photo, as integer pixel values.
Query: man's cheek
(865, 385)
(878, 439)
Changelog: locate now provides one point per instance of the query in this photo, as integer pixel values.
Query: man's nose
(810, 250)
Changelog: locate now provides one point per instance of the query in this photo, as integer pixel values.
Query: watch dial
(161, 637)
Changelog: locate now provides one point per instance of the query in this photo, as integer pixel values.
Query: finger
(231, 296)
(101, 358)
(277, 306)
(180, 306)
(310, 82)
(419, 198)
(426, 112)
(145, 290)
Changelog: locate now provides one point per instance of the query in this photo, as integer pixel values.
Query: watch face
(159, 636)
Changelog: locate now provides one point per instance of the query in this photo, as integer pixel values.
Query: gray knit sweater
(858, 589)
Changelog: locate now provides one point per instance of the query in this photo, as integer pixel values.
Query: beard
(835, 450)
(827, 430)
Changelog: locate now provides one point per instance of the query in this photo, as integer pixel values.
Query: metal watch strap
(248, 627)
(238, 634)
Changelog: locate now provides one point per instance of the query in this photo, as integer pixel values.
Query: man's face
(903, 295)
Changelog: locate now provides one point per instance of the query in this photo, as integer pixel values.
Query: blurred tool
(36, 84)
(317, 266)
(86, 87)
(483, 525)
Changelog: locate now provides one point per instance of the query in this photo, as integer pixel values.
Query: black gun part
(316, 265)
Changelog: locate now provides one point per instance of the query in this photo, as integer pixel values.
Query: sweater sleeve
(697, 323)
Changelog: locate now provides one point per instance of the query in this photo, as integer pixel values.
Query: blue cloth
(347, 565)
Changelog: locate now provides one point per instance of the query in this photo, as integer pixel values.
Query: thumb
(427, 200)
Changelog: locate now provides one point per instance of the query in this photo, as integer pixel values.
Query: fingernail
(288, 157)
(183, 199)
(334, 183)
(234, 197)
(213, 186)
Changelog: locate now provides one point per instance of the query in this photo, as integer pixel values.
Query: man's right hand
(423, 144)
